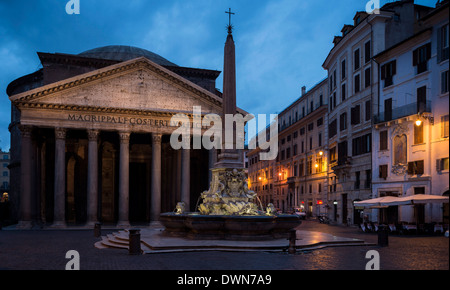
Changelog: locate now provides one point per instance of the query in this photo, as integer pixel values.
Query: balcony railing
(403, 111)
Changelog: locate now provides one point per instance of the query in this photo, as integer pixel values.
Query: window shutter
(410, 168)
(428, 49)
(383, 72)
(415, 57)
(439, 44)
(394, 67)
(419, 167)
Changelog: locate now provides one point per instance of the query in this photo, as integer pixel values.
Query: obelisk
(229, 158)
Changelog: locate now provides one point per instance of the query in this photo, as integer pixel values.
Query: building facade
(411, 124)
(353, 90)
(297, 178)
(90, 138)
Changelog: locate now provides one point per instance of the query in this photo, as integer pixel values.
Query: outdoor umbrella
(379, 202)
(420, 199)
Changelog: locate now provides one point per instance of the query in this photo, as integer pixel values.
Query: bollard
(134, 247)
(383, 240)
(292, 239)
(97, 230)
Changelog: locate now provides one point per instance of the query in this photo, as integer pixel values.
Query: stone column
(59, 215)
(156, 179)
(124, 166)
(25, 179)
(186, 177)
(92, 178)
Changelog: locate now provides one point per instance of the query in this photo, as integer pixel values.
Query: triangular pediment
(138, 84)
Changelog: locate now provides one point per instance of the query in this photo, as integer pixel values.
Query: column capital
(93, 134)
(60, 133)
(25, 130)
(124, 137)
(156, 137)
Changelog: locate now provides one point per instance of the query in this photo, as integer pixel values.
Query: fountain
(228, 209)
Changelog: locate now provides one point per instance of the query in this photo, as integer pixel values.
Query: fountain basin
(228, 227)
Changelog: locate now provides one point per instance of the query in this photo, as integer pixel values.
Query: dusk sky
(280, 45)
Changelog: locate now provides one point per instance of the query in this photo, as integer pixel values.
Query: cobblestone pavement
(46, 250)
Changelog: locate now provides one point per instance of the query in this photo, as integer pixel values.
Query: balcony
(403, 111)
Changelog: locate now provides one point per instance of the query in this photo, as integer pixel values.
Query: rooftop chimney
(303, 90)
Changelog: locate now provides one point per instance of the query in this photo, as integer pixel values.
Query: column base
(58, 225)
(123, 225)
(155, 225)
(90, 224)
(24, 225)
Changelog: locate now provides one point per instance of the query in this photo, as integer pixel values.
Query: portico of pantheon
(90, 138)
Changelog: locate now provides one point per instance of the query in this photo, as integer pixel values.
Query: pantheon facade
(90, 138)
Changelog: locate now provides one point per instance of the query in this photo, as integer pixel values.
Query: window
(332, 128)
(310, 126)
(282, 155)
(367, 52)
(301, 168)
(319, 164)
(334, 79)
(303, 146)
(302, 131)
(320, 122)
(333, 154)
(421, 56)
(288, 152)
(343, 92)
(444, 126)
(334, 100)
(343, 70)
(388, 71)
(421, 99)
(441, 164)
(368, 181)
(367, 80)
(418, 134)
(343, 121)
(309, 166)
(320, 139)
(419, 190)
(5, 173)
(342, 152)
(357, 83)
(443, 44)
(383, 171)
(295, 150)
(356, 59)
(362, 144)
(444, 82)
(310, 143)
(357, 179)
(288, 138)
(384, 140)
(355, 115)
(368, 110)
(415, 167)
(388, 109)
